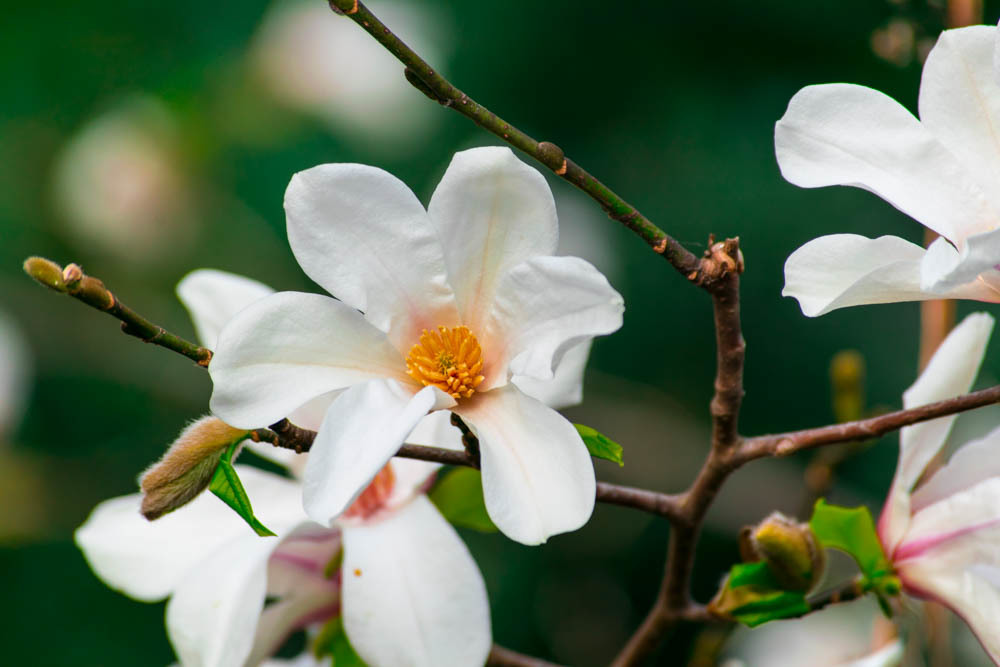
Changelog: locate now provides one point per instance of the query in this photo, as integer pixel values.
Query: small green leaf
(459, 498)
(600, 445)
(851, 530)
(226, 485)
(332, 640)
(753, 596)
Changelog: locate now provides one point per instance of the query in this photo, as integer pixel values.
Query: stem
(430, 82)
(784, 444)
(91, 291)
(289, 436)
(720, 275)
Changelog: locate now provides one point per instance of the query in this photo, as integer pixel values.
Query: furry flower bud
(790, 550)
(186, 469)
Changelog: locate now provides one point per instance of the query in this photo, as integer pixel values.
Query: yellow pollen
(449, 359)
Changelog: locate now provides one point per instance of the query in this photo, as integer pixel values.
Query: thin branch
(431, 83)
(288, 436)
(91, 291)
(720, 275)
(784, 444)
(846, 593)
(504, 657)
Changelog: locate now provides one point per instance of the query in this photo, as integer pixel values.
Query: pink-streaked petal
(973, 463)
(954, 578)
(362, 235)
(538, 479)
(842, 270)
(412, 594)
(950, 373)
(545, 306)
(843, 134)
(212, 298)
(491, 211)
(363, 428)
(960, 104)
(147, 560)
(566, 386)
(945, 269)
(289, 348)
(952, 521)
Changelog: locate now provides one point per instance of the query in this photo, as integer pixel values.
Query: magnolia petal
(973, 463)
(538, 479)
(957, 522)
(212, 616)
(951, 372)
(212, 298)
(951, 578)
(544, 306)
(363, 236)
(146, 560)
(412, 477)
(566, 386)
(413, 596)
(280, 619)
(363, 428)
(945, 269)
(890, 655)
(843, 134)
(960, 103)
(491, 211)
(282, 351)
(842, 270)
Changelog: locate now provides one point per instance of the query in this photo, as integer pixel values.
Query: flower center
(449, 359)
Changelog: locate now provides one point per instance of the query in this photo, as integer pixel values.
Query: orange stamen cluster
(449, 359)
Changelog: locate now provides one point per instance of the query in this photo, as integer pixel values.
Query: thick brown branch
(720, 275)
(289, 436)
(784, 444)
(430, 82)
(91, 291)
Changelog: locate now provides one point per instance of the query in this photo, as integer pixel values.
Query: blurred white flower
(15, 365)
(943, 170)
(942, 534)
(322, 64)
(118, 186)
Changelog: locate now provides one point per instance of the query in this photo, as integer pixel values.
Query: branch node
(661, 246)
(552, 157)
(344, 7)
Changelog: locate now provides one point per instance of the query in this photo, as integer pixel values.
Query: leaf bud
(789, 549)
(46, 272)
(186, 469)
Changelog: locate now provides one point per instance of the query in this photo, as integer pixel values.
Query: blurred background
(144, 141)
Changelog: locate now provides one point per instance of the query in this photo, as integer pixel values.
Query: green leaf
(600, 445)
(851, 530)
(459, 498)
(753, 596)
(226, 485)
(332, 641)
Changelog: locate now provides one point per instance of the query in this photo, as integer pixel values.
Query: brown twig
(784, 444)
(91, 291)
(430, 82)
(288, 436)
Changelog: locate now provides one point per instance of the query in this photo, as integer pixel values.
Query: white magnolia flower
(943, 170)
(943, 538)
(461, 302)
(408, 590)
